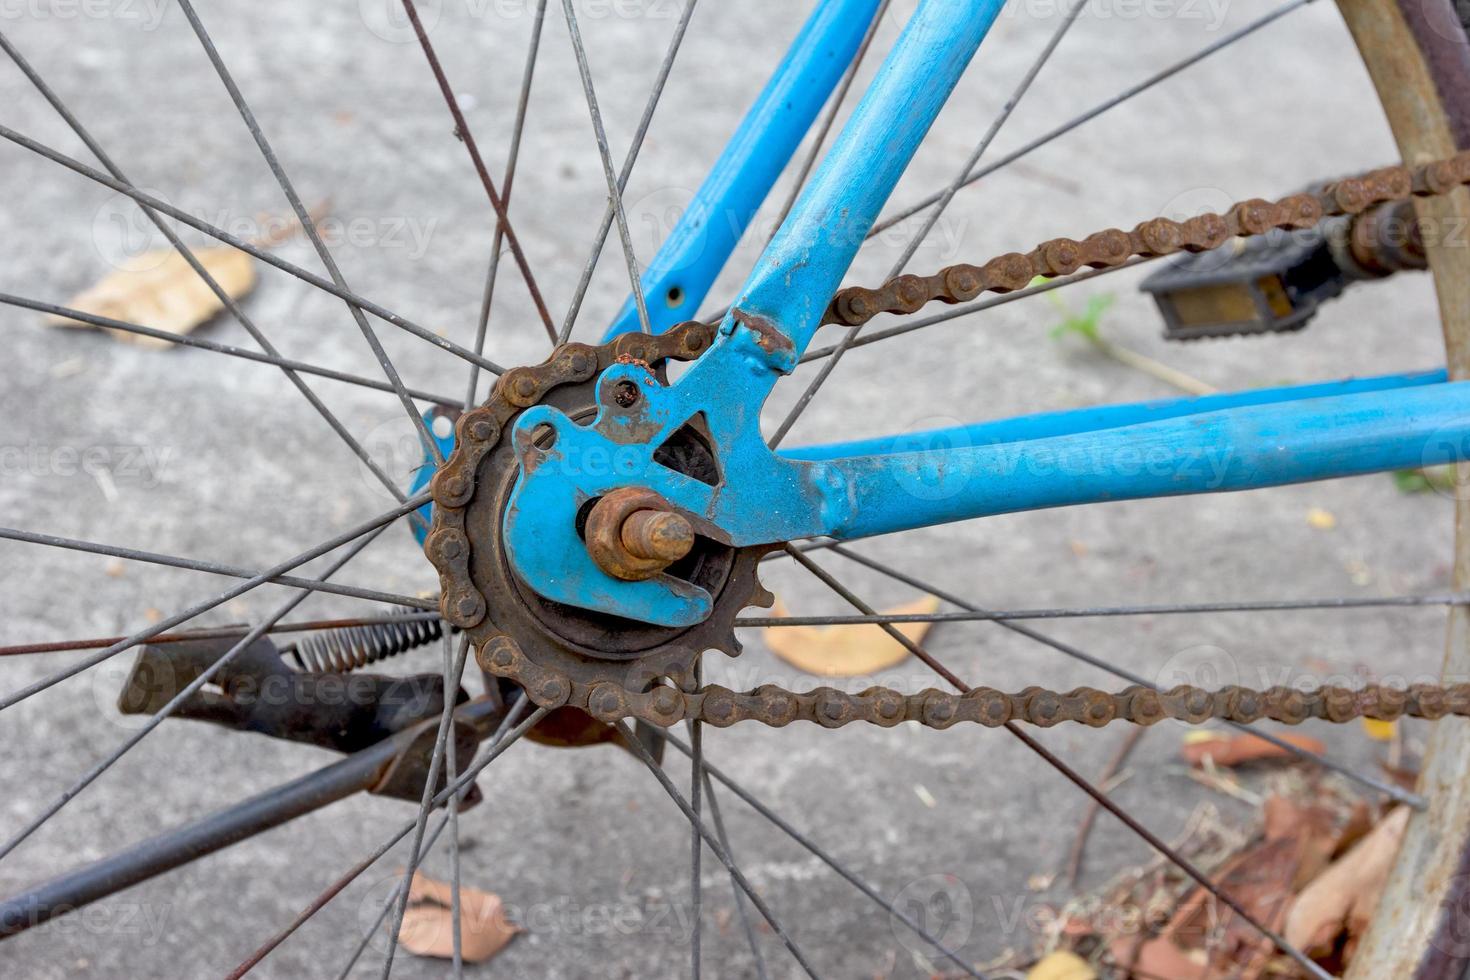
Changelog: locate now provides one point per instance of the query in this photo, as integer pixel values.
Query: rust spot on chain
(857, 305)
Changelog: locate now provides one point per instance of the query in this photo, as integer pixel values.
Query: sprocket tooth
(730, 646)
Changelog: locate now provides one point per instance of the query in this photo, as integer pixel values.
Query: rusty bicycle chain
(1156, 237)
(775, 706)
(479, 431)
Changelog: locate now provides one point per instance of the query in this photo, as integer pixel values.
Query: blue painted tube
(806, 260)
(681, 273)
(1208, 452)
(1071, 421)
(424, 474)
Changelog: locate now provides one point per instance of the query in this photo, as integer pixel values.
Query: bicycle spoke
(1387, 789)
(453, 673)
(253, 582)
(1097, 110)
(1005, 113)
(183, 340)
(714, 845)
(218, 633)
(718, 820)
(219, 234)
(462, 131)
(391, 901)
(500, 741)
(816, 851)
(614, 188)
(308, 225)
(487, 296)
(609, 212)
(1300, 958)
(996, 125)
(188, 691)
(187, 254)
(1086, 612)
(451, 770)
(1174, 857)
(216, 568)
(825, 127)
(696, 845)
(910, 325)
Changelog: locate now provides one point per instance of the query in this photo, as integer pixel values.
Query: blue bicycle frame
(1181, 446)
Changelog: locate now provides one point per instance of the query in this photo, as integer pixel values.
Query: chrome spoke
(1098, 110)
(714, 845)
(219, 234)
(462, 130)
(820, 854)
(937, 210)
(910, 325)
(184, 694)
(996, 125)
(289, 365)
(820, 137)
(502, 740)
(1103, 800)
(1387, 789)
(696, 844)
(487, 295)
(1087, 612)
(308, 225)
(718, 820)
(610, 212)
(453, 674)
(253, 582)
(614, 188)
(216, 568)
(451, 770)
(391, 901)
(184, 252)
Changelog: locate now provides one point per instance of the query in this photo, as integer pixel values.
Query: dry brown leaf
(428, 925)
(1343, 898)
(852, 650)
(158, 289)
(1235, 750)
(1061, 965)
(1159, 957)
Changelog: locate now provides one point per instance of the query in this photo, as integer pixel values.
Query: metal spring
(340, 651)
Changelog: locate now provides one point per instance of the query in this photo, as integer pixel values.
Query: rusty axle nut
(634, 534)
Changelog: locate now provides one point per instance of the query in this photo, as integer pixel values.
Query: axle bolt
(657, 534)
(634, 534)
